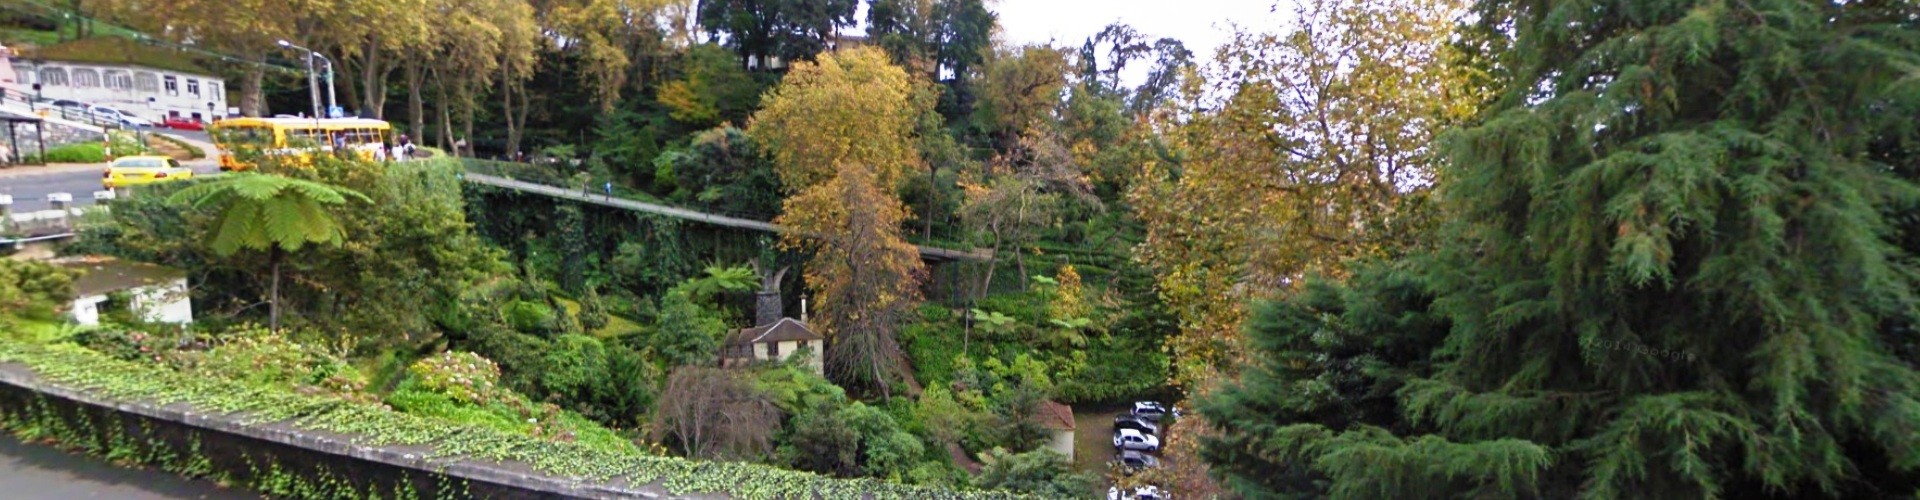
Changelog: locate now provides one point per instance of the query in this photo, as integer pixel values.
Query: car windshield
(139, 163)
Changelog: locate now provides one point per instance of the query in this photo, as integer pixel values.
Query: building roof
(103, 275)
(1055, 416)
(779, 331)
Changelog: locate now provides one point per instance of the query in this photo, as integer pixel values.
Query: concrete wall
(1062, 441)
(167, 303)
(86, 310)
(159, 304)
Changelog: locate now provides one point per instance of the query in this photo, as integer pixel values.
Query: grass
(118, 50)
(616, 326)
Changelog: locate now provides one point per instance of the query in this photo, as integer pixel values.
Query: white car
(1129, 439)
(119, 117)
(1141, 493)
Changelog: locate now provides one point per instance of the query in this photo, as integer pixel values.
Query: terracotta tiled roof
(1055, 416)
(779, 331)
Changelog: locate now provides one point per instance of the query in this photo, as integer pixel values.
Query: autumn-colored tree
(1317, 150)
(841, 134)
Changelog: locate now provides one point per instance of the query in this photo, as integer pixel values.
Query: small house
(1058, 420)
(152, 293)
(774, 341)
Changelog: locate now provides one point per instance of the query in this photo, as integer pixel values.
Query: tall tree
(271, 213)
(841, 133)
(1316, 151)
(792, 30)
(1672, 272)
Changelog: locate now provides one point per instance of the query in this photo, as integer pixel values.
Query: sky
(1201, 24)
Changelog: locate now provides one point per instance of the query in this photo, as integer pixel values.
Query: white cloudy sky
(1201, 24)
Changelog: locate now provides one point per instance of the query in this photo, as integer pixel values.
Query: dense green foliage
(1675, 269)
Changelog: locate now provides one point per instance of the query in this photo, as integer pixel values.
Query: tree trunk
(466, 124)
(933, 177)
(506, 111)
(416, 113)
(373, 79)
(273, 300)
(252, 101)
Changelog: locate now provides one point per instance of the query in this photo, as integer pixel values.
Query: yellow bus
(297, 136)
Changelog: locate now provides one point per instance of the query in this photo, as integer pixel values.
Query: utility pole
(313, 83)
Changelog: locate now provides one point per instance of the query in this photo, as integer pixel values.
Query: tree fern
(269, 213)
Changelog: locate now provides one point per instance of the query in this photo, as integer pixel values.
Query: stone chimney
(766, 307)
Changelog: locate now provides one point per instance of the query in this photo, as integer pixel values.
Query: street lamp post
(312, 85)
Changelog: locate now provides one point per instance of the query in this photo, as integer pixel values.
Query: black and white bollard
(6, 208)
(60, 201)
(104, 197)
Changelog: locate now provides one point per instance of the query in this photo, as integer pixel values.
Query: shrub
(463, 376)
(85, 152)
(529, 317)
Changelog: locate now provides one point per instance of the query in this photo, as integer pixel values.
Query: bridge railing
(561, 175)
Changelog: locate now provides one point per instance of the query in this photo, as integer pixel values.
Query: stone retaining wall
(246, 452)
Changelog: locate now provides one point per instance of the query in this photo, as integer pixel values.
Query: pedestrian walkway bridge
(926, 252)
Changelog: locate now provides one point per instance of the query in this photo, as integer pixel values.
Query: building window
(145, 82)
(193, 87)
(53, 77)
(213, 89)
(173, 86)
(86, 78)
(117, 80)
(773, 349)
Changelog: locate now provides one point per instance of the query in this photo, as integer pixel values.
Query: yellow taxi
(135, 170)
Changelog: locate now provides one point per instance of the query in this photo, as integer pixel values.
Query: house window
(213, 89)
(773, 349)
(193, 87)
(173, 86)
(145, 82)
(86, 78)
(803, 344)
(118, 80)
(53, 77)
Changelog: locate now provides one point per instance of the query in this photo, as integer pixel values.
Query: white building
(153, 293)
(146, 92)
(775, 341)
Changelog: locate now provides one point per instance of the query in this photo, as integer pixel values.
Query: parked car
(1150, 410)
(1148, 492)
(1133, 461)
(119, 117)
(64, 103)
(1137, 423)
(136, 170)
(178, 123)
(1129, 439)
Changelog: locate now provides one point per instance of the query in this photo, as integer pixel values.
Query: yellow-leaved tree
(841, 131)
(1295, 152)
(1301, 150)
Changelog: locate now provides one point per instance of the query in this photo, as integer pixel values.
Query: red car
(178, 123)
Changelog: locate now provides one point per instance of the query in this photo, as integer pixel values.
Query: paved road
(37, 472)
(30, 188)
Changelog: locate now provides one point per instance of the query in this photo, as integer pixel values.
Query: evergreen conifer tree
(1680, 266)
